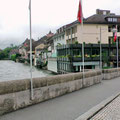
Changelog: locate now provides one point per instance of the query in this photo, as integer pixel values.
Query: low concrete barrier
(16, 94)
(111, 73)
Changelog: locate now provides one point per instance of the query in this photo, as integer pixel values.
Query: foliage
(59, 44)
(13, 57)
(4, 54)
(84, 43)
(87, 55)
(98, 42)
(95, 55)
(113, 43)
(77, 56)
(76, 42)
(107, 67)
(105, 56)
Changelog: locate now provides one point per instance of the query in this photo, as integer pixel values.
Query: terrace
(69, 57)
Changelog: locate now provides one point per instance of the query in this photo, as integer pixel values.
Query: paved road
(70, 106)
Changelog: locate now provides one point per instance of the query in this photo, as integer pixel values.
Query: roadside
(70, 106)
(110, 112)
(106, 110)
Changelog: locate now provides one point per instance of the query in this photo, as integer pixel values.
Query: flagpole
(80, 19)
(83, 59)
(117, 53)
(100, 50)
(31, 81)
(117, 48)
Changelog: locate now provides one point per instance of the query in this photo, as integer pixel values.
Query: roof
(100, 19)
(96, 19)
(41, 46)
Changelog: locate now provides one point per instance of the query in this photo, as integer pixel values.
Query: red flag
(79, 17)
(25, 44)
(115, 36)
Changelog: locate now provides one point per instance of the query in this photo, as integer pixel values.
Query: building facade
(96, 28)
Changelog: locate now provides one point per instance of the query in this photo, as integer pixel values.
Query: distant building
(43, 48)
(59, 39)
(24, 49)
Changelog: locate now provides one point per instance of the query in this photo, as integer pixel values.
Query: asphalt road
(70, 106)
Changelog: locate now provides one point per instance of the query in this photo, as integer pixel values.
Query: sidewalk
(110, 112)
(70, 106)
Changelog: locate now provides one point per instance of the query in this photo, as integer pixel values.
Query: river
(10, 70)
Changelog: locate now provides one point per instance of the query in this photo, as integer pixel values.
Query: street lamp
(114, 30)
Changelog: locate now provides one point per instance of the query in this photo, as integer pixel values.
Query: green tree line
(4, 54)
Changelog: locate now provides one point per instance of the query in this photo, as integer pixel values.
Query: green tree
(2, 55)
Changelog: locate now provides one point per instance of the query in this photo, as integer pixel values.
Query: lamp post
(114, 30)
(31, 81)
(100, 49)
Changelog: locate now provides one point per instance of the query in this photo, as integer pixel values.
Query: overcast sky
(46, 15)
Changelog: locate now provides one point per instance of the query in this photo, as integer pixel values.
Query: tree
(2, 55)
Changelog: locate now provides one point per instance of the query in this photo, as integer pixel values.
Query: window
(87, 53)
(95, 52)
(114, 19)
(118, 28)
(74, 29)
(63, 37)
(104, 12)
(76, 52)
(68, 32)
(60, 38)
(109, 19)
(109, 28)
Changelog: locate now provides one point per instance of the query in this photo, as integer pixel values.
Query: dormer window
(104, 12)
(112, 20)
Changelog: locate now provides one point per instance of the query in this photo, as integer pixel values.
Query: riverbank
(10, 70)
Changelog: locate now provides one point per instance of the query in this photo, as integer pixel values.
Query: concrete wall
(111, 73)
(16, 94)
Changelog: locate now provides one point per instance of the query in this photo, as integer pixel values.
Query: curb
(97, 108)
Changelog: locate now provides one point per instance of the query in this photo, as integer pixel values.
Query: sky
(46, 15)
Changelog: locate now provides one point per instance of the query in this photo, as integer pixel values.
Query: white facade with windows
(59, 39)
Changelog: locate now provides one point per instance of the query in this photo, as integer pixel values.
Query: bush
(2, 55)
(13, 57)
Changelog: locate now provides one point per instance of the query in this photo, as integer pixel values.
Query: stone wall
(111, 73)
(16, 94)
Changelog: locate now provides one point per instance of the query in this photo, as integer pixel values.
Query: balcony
(77, 59)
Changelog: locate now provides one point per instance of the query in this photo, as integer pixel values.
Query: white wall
(60, 40)
(91, 33)
(52, 64)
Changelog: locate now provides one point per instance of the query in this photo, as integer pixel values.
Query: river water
(10, 70)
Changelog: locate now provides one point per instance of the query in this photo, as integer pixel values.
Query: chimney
(102, 12)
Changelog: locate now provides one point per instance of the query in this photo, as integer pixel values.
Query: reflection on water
(10, 70)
